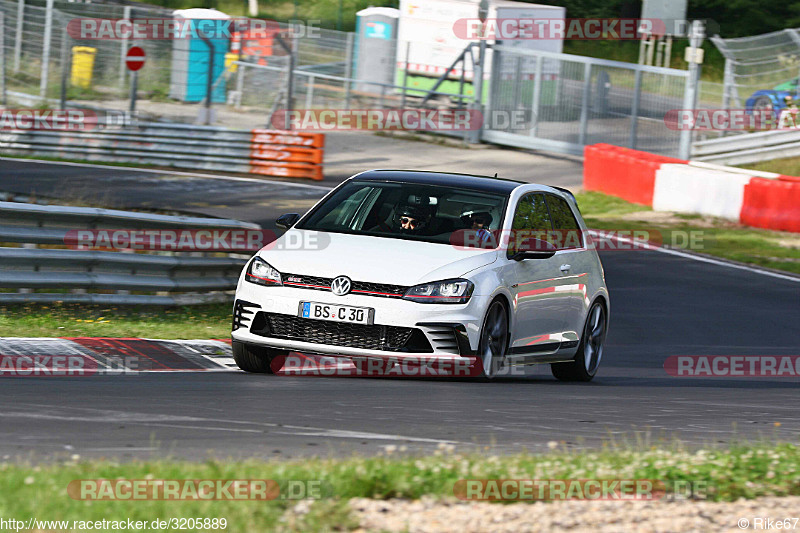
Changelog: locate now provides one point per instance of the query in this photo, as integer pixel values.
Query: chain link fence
(539, 100)
(565, 102)
(758, 62)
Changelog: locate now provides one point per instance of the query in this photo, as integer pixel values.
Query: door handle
(565, 268)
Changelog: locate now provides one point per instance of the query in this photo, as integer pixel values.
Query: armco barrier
(264, 152)
(760, 199)
(772, 204)
(123, 277)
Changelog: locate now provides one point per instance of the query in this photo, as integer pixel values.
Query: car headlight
(262, 273)
(449, 291)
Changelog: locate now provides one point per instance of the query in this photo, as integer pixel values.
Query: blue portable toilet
(189, 73)
(376, 47)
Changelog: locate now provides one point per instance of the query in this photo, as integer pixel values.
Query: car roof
(452, 179)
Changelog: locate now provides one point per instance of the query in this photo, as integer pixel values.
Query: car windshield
(429, 213)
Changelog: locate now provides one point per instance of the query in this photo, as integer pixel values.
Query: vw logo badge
(340, 286)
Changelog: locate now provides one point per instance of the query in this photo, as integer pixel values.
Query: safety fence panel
(564, 102)
(258, 151)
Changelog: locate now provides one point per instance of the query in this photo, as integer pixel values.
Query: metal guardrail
(748, 148)
(264, 152)
(65, 275)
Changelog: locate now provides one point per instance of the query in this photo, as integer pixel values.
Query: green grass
(720, 238)
(595, 204)
(211, 321)
(789, 166)
(740, 471)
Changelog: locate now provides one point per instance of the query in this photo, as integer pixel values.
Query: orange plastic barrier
(772, 204)
(287, 154)
(622, 172)
(293, 138)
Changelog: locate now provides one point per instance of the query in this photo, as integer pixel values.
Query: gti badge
(340, 286)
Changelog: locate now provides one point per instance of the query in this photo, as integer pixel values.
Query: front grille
(384, 290)
(379, 289)
(372, 337)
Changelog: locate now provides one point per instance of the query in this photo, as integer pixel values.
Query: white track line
(696, 257)
(174, 172)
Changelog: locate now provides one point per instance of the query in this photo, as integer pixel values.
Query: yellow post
(229, 59)
(82, 66)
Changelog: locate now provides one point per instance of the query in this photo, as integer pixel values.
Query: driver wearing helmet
(411, 219)
(479, 222)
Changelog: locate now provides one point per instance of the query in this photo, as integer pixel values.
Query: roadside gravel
(429, 515)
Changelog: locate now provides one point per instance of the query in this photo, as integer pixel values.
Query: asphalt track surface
(662, 305)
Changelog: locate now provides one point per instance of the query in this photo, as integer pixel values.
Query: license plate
(337, 313)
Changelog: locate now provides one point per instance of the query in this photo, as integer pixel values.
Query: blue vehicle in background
(773, 99)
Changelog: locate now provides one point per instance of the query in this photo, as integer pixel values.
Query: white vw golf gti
(429, 266)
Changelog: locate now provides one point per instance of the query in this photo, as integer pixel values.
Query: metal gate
(561, 102)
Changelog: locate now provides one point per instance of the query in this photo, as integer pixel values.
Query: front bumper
(267, 316)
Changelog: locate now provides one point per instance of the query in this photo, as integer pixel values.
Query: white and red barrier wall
(759, 199)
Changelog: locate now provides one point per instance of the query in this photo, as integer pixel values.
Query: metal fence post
(537, 95)
(474, 136)
(18, 38)
(209, 76)
(123, 50)
(405, 79)
(348, 68)
(2, 59)
(637, 96)
(239, 84)
(48, 32)
(587, 91)
(517, 82)
(134, 83)
(690, 93)
(290, 80)
(65, 64)
(309, 91)
(727, 84)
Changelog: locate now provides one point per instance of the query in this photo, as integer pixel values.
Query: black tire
(494, 339)
(765, 104)
(252, 358)
(590, 350)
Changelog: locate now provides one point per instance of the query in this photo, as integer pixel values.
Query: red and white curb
(94, 355)
(84, 356)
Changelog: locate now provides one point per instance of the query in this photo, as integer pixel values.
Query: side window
(567, 231)
(531, 219)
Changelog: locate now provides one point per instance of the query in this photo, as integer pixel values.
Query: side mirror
(534, 249)
(287, 221)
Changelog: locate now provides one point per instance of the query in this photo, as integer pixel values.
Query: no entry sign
(134, 59)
